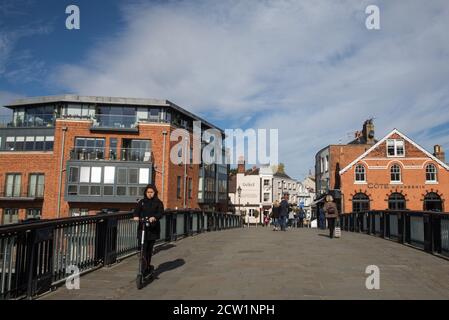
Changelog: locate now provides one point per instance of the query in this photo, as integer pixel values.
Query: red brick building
(331, 159)
(70, 155)
(396, 173)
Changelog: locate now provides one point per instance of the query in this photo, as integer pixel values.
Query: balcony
(87, 154)
(98, 154)
(18, 195)
(115, 123)
(28, 121)
(132, 154)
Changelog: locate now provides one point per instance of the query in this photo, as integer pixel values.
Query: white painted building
(307, 195)
(260, 187)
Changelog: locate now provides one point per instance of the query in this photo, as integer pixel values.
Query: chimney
(439, 153)
(241, 165)
(368, 132)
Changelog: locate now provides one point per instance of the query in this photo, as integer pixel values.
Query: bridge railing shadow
(36, 257)
(424, 230)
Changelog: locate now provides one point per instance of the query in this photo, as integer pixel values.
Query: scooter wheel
(139, 282)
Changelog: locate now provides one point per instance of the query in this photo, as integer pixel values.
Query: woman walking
(275, 215)
(150, 209)
(330, 208)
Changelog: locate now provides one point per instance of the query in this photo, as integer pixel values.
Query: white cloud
(309, 68)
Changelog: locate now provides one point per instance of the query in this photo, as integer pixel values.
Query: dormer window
(395, 148)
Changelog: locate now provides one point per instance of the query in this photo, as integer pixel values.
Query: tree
(256, 214)
(281, 168)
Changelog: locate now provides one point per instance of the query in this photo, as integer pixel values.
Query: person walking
(266, 220)
(150, 209)
(321, 219)
(301, 216)
(284, 210)
(275, 215)
(330, 208)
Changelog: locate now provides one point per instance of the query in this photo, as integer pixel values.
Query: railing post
(436, 234)
(100, 241)
(406, 228)
(110, 241)
(387, 225)
(401, 227)
(382, 224)
(427, 224)
(40, 270)
(174, 226)
(368, 223)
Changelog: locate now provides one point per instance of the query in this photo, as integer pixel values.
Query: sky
(310, 69)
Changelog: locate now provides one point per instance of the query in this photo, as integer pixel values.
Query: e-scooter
(141, 277)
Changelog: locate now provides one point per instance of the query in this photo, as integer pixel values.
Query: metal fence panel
(417, 231)
(377, 223)
(445, 236)
(163, 223)
(195, 222)
(180, 224)
(394, 233)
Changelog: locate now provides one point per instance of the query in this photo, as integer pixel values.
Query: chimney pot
(439, 153)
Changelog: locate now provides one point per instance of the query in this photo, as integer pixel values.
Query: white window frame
(435, 173)
(359, 173)
(396, 143)
(400, 174)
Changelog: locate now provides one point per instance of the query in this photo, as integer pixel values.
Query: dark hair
(150, 186)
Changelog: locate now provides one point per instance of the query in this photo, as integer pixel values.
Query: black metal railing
(428, 231)
(36, 257)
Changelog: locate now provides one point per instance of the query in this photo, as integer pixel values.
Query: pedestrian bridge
(258, 263)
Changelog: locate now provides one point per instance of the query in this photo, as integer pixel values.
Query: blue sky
(308, 68)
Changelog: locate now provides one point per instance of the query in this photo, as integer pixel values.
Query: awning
(317, 201)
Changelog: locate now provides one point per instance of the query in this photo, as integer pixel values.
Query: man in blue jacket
(283, 214)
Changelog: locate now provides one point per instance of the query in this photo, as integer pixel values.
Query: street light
(239, 192)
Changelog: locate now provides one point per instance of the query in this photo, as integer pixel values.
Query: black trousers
(331, 225)
(148, 246)
(301, 223)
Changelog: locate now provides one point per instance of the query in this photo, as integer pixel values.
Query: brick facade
(49, 164)
(378, 185)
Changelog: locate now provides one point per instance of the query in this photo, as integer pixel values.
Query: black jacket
(284, 208)
(147, 208)
(275, 212)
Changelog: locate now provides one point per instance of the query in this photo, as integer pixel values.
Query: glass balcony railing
(86, 153)
(115, 121)
(126, 154)
(28, 121)
(132, 154)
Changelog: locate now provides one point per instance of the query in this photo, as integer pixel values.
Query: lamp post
(239, 192)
